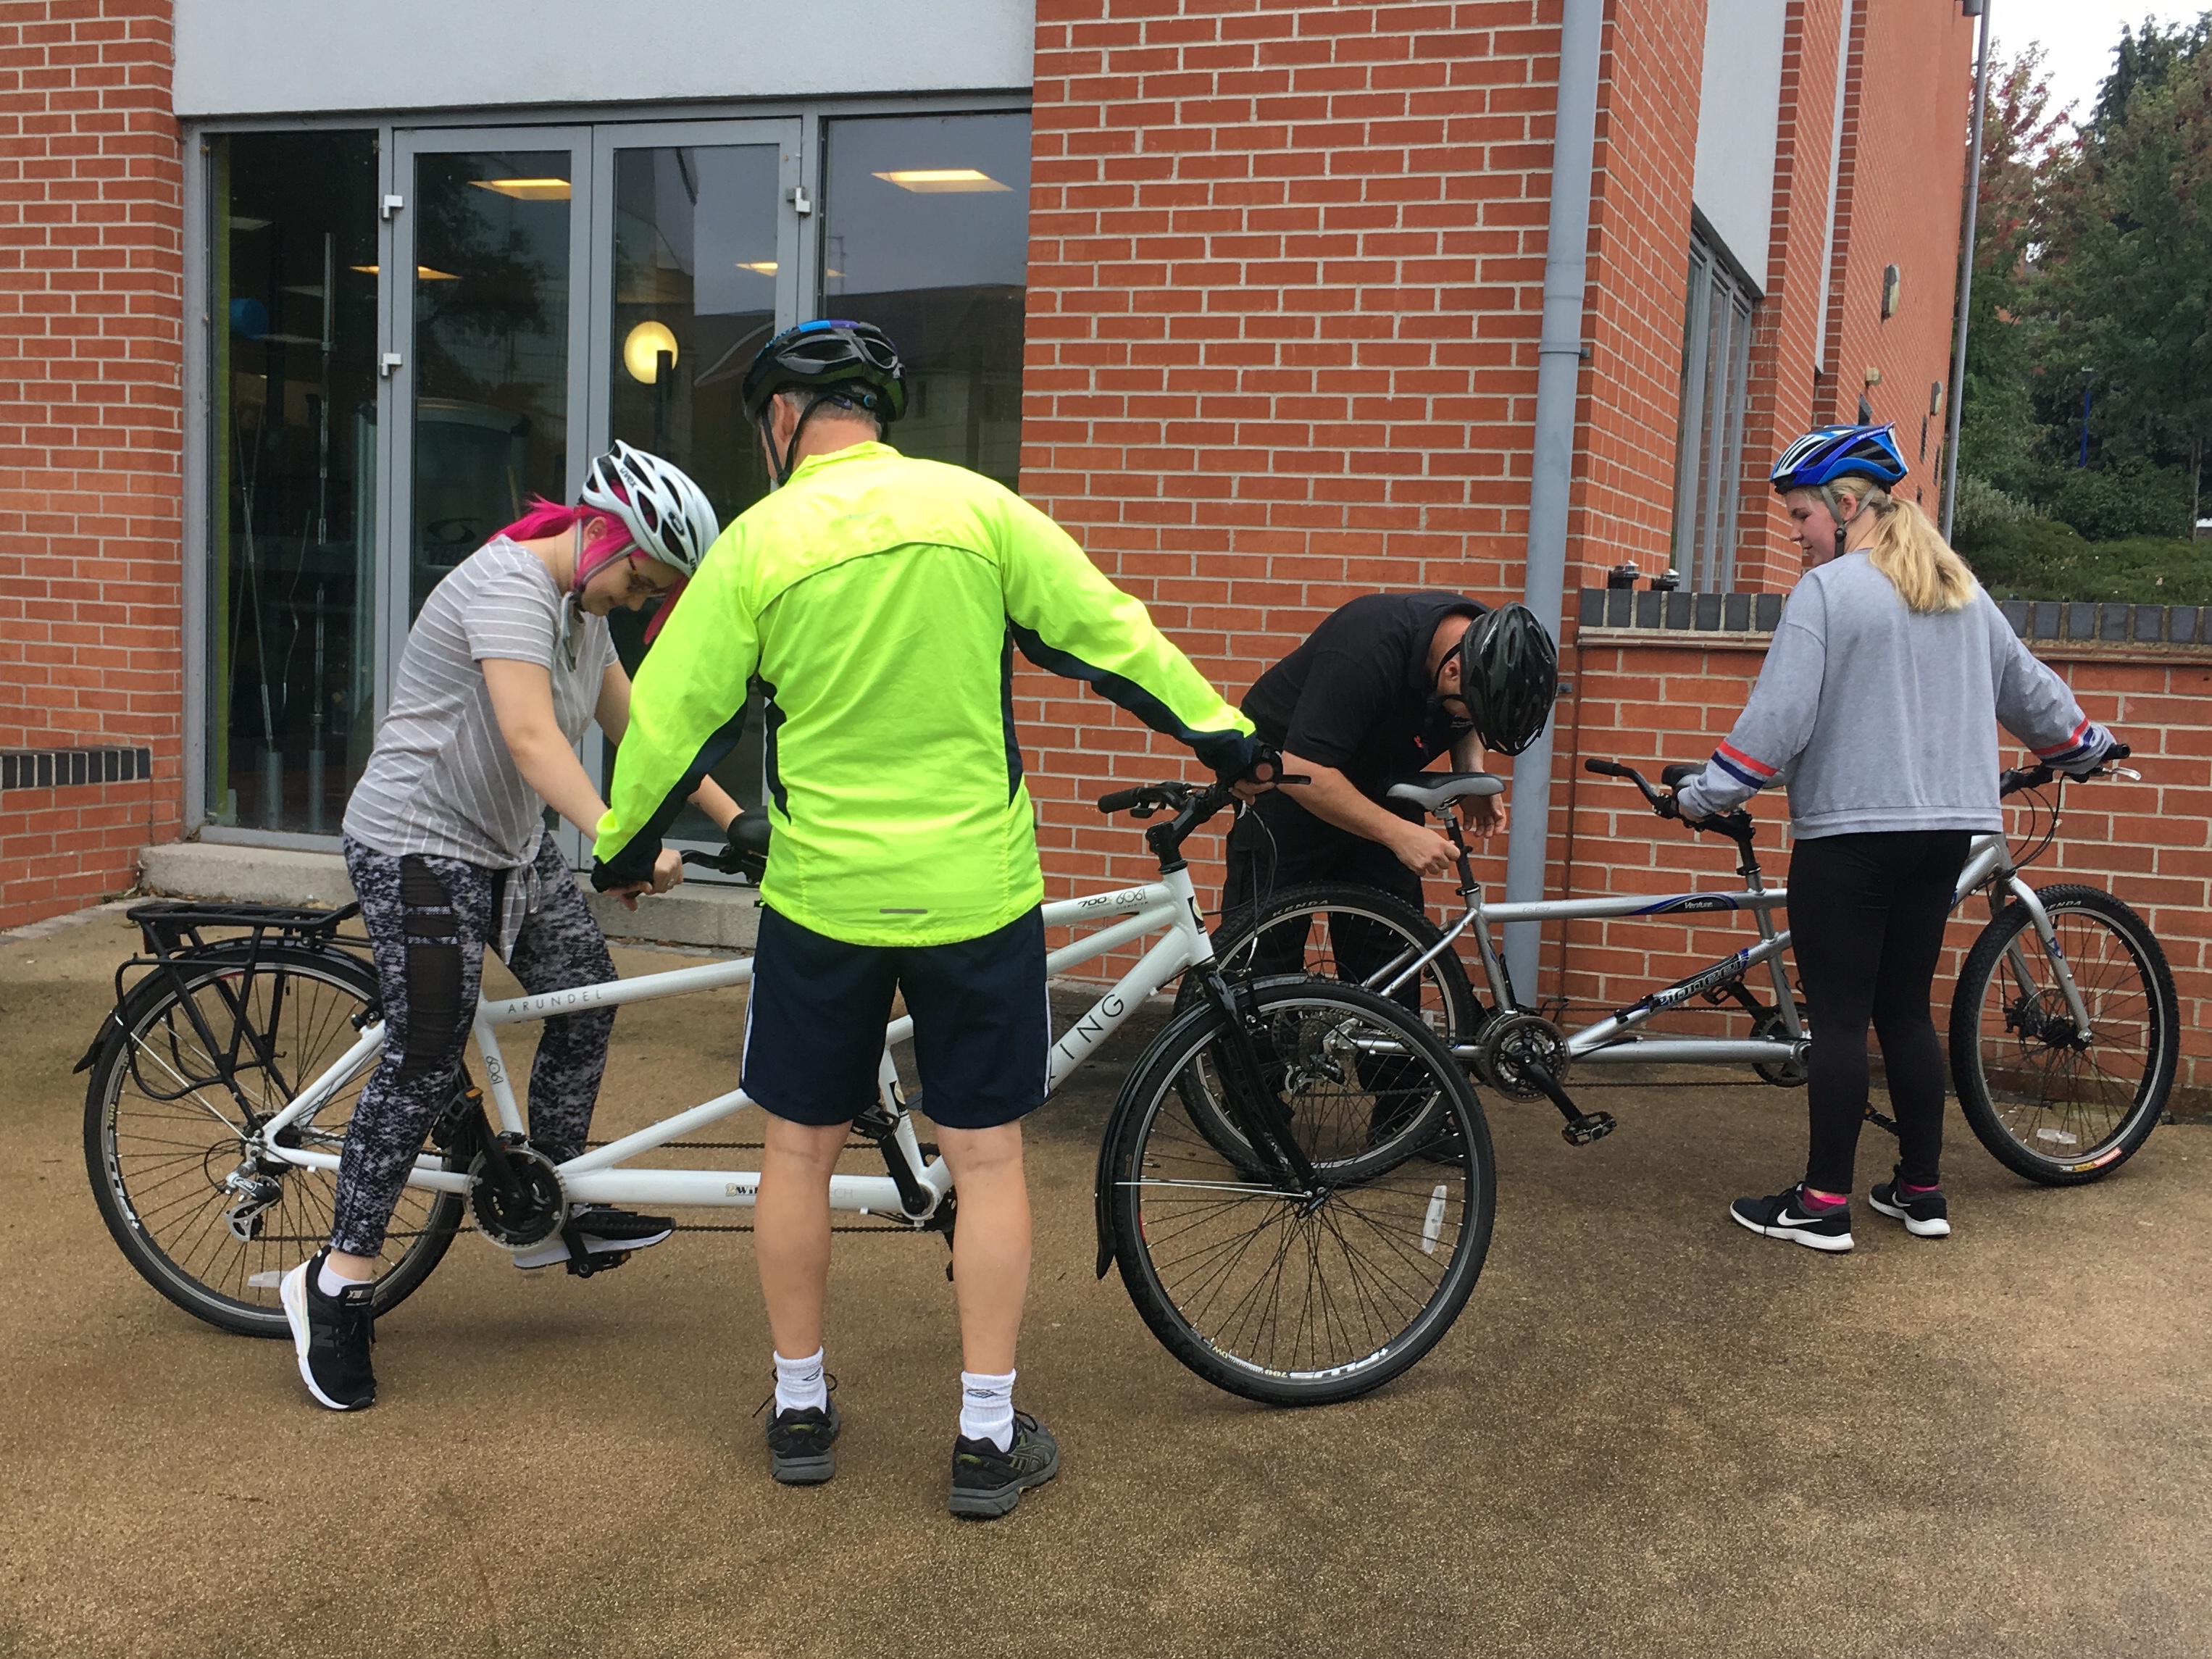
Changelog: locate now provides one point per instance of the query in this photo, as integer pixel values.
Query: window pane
(926, 236)
(695, 271)
(491, 349)
(291, 599)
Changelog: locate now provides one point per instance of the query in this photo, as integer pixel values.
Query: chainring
(1508, 1042)
(1785, 1074)
(530, 1216)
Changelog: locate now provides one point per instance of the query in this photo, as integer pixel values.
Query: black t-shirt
(1356, 695)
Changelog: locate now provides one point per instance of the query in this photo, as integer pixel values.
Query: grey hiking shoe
(987, 1483)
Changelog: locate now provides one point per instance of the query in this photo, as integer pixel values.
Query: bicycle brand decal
(1093, 1024)
(1721, 973)
(1690, 902)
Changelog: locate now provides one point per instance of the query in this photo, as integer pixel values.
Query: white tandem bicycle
(1297, 1180)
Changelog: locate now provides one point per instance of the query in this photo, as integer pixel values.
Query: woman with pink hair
(445, 840)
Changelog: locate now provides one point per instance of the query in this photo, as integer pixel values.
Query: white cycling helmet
(667, 515)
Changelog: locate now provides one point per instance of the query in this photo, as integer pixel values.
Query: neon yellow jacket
(876, 602)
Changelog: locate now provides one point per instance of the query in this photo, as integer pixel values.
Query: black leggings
(1866, 922)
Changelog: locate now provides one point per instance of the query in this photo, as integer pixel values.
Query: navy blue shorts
(814, 1019)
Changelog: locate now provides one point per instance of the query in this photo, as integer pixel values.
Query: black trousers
(1866, 923)
(1277, 845)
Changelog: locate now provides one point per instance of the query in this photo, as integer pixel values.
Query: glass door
(696, 264)
(491, 389)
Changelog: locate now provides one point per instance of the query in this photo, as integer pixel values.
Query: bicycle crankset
(1508, 1045)
(526, 1211)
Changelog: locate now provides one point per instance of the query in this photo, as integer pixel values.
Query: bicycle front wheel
(2051, 1101)
(1288, 1296)
(205, 1221)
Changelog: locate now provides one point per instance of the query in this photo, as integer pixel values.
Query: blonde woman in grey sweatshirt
(1878, 708)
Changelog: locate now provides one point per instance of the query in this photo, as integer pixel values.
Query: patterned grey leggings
(428, 921)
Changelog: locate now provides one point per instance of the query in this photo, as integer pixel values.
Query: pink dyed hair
(547, 518)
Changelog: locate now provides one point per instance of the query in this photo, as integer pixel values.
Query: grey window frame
(604, 125)
(1709, 457)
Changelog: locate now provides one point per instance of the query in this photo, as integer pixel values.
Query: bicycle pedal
(1589, 1126)
(597, 1264)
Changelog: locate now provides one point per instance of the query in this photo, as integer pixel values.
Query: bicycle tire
(161, 1133)
(2047, 1109)
(1207, 1273)
(1446, 1000)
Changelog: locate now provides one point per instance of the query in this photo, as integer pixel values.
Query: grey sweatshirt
(1877, 719)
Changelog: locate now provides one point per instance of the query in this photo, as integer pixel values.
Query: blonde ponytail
(1912, 552)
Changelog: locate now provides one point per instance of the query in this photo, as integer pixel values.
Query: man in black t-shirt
(1372, 695)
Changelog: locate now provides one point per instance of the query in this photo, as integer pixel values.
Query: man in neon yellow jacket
(876, 603)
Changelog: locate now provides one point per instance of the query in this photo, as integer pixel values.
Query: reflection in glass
(290, 596)
(694, 273)
(927, 237)
(491, 349)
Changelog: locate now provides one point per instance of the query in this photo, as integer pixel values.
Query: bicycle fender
(1102, 1184)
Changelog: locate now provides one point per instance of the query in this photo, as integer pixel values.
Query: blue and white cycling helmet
(1828, 454)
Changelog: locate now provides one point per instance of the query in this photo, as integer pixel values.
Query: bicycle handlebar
(2014, 778)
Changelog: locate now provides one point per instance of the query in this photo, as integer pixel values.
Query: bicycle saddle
(1434, 791)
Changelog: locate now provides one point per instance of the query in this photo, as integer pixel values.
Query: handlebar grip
(2118, 751)
(1605, 768)
(1120, 801)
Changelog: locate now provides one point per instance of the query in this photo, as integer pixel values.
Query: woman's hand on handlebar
(667, 872)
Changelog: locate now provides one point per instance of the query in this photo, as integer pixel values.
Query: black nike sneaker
(1925, 1215)
(1785, 1216)
(799, 1444)
(987, 1483)
(332, 1334)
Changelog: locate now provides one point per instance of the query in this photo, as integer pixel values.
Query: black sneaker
(1785, 1216)
(332, 1334)
(987, 1482)
(1925, 1215)
(799, 1445)
(603, 1230)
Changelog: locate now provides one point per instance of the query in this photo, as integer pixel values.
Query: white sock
(986, 1408)
(331, 1283)
(800, 1385)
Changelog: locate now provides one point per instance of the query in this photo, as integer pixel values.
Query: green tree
(2021, 134)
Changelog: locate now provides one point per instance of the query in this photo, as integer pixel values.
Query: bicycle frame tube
(595, 1177)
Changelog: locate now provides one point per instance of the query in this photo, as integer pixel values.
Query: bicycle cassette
(531, 1213)
(1507, 1045)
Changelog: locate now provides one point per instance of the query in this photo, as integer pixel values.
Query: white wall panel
(304, 57)
(1739, 110)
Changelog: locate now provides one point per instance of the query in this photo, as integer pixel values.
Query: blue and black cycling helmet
(851, 363)
(1829, 454)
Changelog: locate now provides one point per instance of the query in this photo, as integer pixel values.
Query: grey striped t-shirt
(441, 781)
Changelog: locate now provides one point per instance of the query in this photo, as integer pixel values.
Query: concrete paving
(1650, 1434)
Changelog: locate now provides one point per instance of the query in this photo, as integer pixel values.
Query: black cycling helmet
(855, 362)
(853, 365)
(1509, 676)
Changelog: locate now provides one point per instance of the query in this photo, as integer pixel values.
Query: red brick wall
(1911, 178)
(1285, 283)
(91, 423)
(1647, 703)
(1901, 178)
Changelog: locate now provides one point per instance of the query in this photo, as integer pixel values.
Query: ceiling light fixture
(764, 267)
(946, 181)
(526, 190)
(422, 273)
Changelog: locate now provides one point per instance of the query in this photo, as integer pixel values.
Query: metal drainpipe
(1558, 365)
(1956, 399)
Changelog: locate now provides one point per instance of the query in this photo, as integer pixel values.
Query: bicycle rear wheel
(1359, 935)
(2052, 1103)
(1298, 1297)
(163, 1136)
